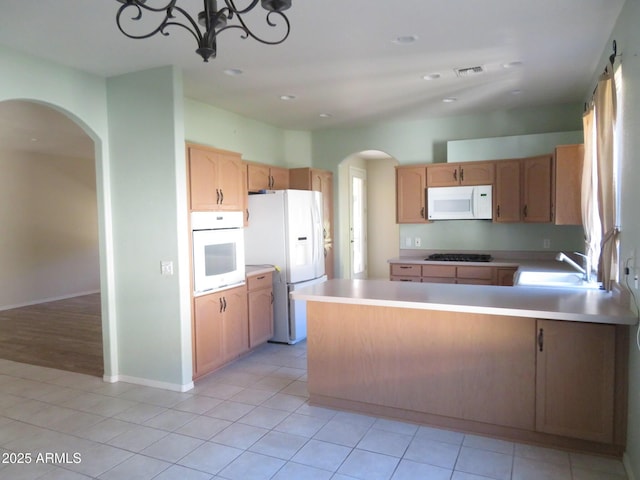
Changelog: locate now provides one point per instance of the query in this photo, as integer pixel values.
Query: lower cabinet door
(235, 323)
(260, 316)
(207, 334)
(575, 379)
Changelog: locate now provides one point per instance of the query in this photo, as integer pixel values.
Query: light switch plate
(166, 267)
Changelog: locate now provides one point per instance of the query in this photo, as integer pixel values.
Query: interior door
(358, 222)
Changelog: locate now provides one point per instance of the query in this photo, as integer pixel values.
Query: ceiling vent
(469, 71)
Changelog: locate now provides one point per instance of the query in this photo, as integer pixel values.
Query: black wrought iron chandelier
(213, 20)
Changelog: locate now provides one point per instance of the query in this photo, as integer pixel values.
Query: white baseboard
(174, 387)
(45, 300)
(627, 467)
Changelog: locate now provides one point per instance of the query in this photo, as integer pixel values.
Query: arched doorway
(370, 172)
(50, 297)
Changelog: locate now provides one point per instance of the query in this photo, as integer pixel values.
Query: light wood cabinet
(216, 179)
(507, 193)
(475, 367)
(504, 276)
(260, 302)
(468, 275)
(411, 183)
(471, 173)
(536, 189)
(266, 177)
(567, 184)
(320, 181)
(575, 380)
(532, 380)
(207, 334)
(219, 329)
(235, 322)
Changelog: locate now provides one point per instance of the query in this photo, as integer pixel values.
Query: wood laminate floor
(64, 334)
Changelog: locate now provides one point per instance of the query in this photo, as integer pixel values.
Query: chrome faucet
(586, 272)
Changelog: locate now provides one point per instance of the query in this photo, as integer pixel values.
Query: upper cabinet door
(507, 192)
(231, 182)
(203, 176)
(536, 199)
(443, 175)
(410, 194)
(216, 179)
(476, 173)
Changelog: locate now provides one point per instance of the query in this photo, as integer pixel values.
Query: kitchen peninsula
(543, 365)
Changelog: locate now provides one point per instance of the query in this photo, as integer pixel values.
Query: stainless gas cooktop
(459, 257)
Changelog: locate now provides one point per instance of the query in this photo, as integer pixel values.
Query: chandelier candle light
(213, 20)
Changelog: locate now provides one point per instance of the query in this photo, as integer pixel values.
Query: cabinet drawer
(256, 282)
(438, 271)
(438, 280)
(484, 273)
(405, 279)
(399, 270)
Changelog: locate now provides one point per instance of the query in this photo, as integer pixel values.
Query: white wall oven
(218, 251)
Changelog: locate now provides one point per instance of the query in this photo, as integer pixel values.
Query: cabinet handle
(224, 301)
(221, 197)
(422, 212)
(271, 181)
(217, 196)
(462, 174)
(455, 174)
(404, 266)
(524, 211)
(271, 298)
(221, 304)
(541, 339)
(247, 214)
(498, 211)
(261, 277)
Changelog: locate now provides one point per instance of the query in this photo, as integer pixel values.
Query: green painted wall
(256, 141)
(149, 210)
(425, 141)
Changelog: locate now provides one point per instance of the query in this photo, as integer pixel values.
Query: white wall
(49, 239)
(383, 231)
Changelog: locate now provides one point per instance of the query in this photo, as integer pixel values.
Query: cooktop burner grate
(459, 257)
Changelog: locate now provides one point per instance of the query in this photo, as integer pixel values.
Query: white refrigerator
(285, 230)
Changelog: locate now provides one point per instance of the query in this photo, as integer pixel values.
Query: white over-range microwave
(218, 251)
(459, 203)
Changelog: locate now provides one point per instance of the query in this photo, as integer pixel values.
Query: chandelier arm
(166, 21)
(249, 33)
(231, 5)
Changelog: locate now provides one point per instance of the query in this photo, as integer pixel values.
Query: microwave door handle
(473, 202)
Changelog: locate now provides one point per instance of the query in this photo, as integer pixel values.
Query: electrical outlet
(546, 243)
(418, 242)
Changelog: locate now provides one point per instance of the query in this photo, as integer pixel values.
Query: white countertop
(253, 270)
(595, 306)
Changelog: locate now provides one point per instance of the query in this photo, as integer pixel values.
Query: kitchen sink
(552, 279)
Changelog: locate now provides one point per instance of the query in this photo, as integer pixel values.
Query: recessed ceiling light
(517, 91)
(325, 115)
(449, 99)
(431, 76)
(405, 39)
(287, 98)
(515, 64)
(232, 72)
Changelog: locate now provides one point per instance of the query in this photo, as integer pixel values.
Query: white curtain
(605, 104)
(590, 214)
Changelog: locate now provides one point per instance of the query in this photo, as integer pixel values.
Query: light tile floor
(249, 421)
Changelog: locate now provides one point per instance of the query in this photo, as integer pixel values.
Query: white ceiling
(341, 59)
